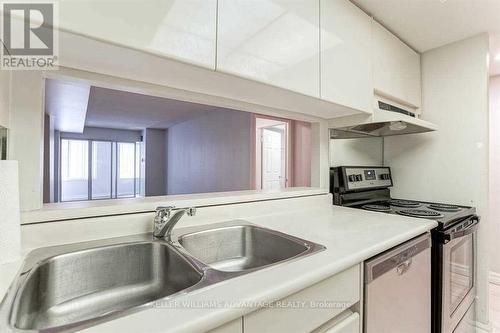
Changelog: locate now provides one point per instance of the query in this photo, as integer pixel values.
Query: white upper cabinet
(180, 29)
(396, 67)
(346, 55)
(271, 41)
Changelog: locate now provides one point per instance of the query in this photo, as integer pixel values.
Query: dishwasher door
(398, 289)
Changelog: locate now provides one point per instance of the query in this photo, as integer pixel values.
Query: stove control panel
(361, 178)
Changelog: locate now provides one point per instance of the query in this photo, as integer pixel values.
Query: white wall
(211, 153)
(26, 133)
(4, 97)
(495, 173)
(365, 151)
(451, 164)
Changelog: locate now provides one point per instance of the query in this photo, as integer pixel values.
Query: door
(398, 289)
(346, 55)
(273, 157)
(396, 67)
(180, 29)
(126, 174)
(275, 42)
(349, 324)
(93, 170)
(102, 152)
(458, 265)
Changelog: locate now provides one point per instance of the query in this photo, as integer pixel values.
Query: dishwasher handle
(399, 258)
(403, 267)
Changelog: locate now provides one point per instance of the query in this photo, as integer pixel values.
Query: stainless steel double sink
(73, 286)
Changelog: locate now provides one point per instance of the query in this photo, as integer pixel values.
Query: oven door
(458, 272)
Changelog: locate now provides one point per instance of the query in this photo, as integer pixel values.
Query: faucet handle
(191, 211)
(163, 211)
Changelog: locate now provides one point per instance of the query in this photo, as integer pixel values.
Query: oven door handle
(447, 237)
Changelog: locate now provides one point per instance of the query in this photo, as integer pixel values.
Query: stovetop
(368, 188)
(444, 214)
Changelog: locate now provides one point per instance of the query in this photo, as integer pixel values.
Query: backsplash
(363, 151)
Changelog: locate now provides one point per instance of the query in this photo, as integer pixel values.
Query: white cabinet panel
(396, 67)
(180, 29)
(318, 303)
(348, 325)
(272, 41)
(346, 55)
(235, 326)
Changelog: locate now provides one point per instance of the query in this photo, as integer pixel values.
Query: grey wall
(50, 160)
(47, 152)
(155, 152)
(211, 153)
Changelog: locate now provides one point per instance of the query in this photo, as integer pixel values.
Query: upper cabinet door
(180, 29)
(346, 55)
(271, 41)
(396, 67)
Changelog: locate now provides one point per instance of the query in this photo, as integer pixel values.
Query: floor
(495, 307)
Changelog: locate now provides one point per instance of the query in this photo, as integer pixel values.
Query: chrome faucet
(165, 221)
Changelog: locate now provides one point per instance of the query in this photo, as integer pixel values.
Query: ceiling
(74, 105)
(427, 24)
(124, 110)
(66, 103)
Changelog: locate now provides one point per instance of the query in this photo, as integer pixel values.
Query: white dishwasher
(398, 289)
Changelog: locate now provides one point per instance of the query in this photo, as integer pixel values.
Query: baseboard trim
(494, 278)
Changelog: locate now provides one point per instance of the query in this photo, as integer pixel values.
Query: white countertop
(350, 235)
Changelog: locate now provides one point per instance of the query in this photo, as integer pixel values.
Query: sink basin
(82, 285)
(73, 286)
(241, 247)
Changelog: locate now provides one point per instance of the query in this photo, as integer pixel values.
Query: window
(102, 169)
(126, 152)
(126, 184)
(74, 170)
(74, 159)
(112, 166)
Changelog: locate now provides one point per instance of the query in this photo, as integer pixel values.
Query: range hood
(387, 119)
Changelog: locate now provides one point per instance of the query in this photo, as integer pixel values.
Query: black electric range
(453, 241)
(368, 188)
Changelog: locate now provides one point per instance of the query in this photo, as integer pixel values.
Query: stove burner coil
(404, 203)
(377, 208)
(444, 207)
(420, 213)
